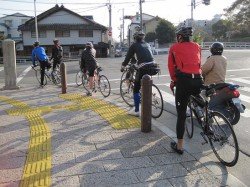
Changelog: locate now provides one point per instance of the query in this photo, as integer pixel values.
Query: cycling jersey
(143, 53)
(38, 53)
(186, 56)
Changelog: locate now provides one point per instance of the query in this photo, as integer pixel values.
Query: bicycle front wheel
(104, 85)
(223, 140)
(189, 123)
(79, 78)
(38, 77)
(126, 91)
(157, 102)
(56, 77)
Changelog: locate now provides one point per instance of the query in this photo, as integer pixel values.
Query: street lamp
(36, 20)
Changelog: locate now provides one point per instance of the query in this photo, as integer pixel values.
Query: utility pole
(110, 29)
(36, 21)
(141, 23)
(123, 25)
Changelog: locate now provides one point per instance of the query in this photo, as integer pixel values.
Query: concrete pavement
(53, 139)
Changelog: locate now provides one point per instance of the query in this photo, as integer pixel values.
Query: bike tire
(223, 141)
(189, 123)
(157, 102)
(85, 81)
(104, 85)
(126, 92)
(38, 77)
(79, 78)
(56, 77)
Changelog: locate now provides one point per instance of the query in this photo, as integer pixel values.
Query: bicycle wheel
(222, 139)
(56, 77)
(104, 85)
(38, 77)
(189, 123)
(126, 91)
(85, 81)
(157, 102)
(79, 78)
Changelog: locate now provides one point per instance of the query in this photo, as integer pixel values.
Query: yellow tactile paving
(116, 116)
(37, 169)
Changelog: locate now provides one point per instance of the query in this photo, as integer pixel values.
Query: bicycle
(215, 127)
(126, 91)
(53, 76)
(101, 82)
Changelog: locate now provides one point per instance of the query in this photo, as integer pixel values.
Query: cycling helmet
(216, 48)
(36, 43)
(139, 35)
(185, 32)
(55, 40)
(89, 44)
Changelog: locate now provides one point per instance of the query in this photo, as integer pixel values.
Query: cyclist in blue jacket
(38, 53)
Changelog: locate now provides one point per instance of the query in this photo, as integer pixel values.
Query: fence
(228, 45)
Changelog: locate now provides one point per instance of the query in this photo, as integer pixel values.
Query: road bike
(49, 75)
(127, 87)
(101, 82)
(216, 128)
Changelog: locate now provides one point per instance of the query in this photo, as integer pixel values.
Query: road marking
(20, 77)
(247, 69)
(1, 68)
(241, 80)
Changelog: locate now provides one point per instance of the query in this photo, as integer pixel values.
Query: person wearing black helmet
(215, 67)
(184, 64)
(57, 53)
(89, 63)
(38, 53)
(145, 60)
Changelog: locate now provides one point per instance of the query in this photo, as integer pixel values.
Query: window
(41, 34)
(8, 22)
(85, 33)
(60, 33)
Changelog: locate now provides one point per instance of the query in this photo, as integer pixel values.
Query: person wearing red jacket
(184, 64)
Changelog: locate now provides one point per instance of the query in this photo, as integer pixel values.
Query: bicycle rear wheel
(38, 77)
(104, 85)
(126, 91)
(223, 140)
(157, 102)
(79, 78)
(85, 81)
(189, 123)
(56, 77)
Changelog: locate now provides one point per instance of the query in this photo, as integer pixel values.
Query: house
(71, 29)
(9, 24)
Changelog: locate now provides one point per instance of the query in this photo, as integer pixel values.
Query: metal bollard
(146, 103)
(63, 77)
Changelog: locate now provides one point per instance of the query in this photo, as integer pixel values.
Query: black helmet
(185, 32)
(139, 35)
(216, 48)
(89, 44)
(36, 43)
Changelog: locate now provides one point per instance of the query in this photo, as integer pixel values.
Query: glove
(122, 68)
(172, 85)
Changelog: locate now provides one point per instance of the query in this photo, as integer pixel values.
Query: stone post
(9, 61)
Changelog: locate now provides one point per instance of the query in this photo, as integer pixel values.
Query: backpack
(60, 52)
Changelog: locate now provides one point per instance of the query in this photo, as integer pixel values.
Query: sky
(175, 11)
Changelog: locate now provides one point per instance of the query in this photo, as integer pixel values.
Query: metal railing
(228, 45)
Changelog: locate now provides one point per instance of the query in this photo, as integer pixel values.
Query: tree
(165, 31)
(150, 37)
(239, 13)
(220, 29)
(1, 36)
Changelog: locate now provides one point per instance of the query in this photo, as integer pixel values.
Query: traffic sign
(109, 33)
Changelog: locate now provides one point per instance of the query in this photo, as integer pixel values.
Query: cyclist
(57, 53)
(38, 53)
(89, 63)
(184, 64)
(215, 68)
(145, 60)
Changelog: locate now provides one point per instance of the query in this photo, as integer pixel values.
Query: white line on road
(23, 74)
(1, 69)
(241, 80)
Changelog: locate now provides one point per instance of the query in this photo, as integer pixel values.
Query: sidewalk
(53, 139)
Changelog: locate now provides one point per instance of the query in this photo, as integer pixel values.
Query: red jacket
(187, 57)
